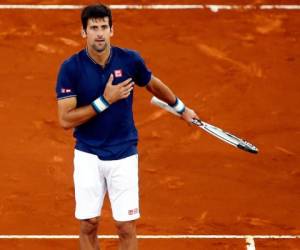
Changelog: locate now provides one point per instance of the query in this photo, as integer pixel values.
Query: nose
(100, 34)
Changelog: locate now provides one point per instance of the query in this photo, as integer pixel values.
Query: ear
(111, 31)
(83, 33)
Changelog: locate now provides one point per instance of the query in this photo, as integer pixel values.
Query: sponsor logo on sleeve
(64, 91)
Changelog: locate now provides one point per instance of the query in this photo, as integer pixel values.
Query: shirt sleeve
(143, 74)
(65, 85)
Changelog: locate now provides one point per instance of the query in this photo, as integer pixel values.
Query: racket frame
(213, 130)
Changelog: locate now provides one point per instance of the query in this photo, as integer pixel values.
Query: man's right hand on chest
(113, 93)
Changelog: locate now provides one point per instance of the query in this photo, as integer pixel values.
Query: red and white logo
(66, 90)
(118, 73)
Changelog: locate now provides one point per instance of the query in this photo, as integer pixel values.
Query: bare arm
(163, 92)
(69, 116)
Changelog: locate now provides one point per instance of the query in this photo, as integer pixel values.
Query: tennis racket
(213, 130)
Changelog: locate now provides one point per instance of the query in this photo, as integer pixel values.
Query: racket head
(248, 147)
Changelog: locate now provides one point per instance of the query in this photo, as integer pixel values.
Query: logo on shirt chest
(118, 73)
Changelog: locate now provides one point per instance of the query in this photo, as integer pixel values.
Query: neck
(100, 58)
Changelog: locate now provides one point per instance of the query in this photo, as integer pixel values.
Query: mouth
(100, 40)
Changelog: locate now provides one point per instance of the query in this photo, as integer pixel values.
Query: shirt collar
(108, 60)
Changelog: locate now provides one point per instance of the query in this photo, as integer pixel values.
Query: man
(95, 92)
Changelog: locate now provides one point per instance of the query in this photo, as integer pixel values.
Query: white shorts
(93, 177)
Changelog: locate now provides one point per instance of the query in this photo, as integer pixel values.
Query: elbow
(65, 125)
(150, 88)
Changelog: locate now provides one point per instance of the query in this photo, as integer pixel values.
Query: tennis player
(95, 92)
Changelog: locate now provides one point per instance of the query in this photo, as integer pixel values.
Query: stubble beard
(99, 49)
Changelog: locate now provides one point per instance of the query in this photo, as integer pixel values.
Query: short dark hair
(95, 11)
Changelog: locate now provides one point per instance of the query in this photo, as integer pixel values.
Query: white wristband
(178, 106)
(100, 104)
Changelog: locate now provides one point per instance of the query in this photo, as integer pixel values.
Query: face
(98, 34)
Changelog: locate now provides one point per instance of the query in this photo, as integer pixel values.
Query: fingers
(126, 82)
(128, 87)
(110, 79)
(196, 116)
(115, 92)
(126, 90)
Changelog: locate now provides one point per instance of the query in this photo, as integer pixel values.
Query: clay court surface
(238, 69)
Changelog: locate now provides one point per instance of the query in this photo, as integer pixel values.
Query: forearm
(161, 90)
(164, 93)
(77, 116)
